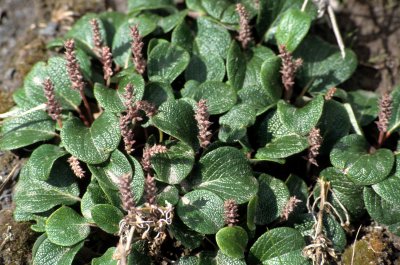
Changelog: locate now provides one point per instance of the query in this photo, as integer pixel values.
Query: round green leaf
(91, 145)
(381, 210)
(202, 211)
(226, 172)
(158, 92)
(113, 100)
(282, 147)
(109, 172)
(235, 66)
(301, 120)
(169, 194)
(281, 245)
(271, 79)
(106, 258)
(176, 118)
(232, 241)
(107, 217)
(348, 193)
(121, 46)
(292, 28)
(272, 198)
(174, 165)
(42, 159)
(20, 131)
(365, 105)
(182, 233)
(94, 195)
(211, 38)
(166, 62)
(65, 227)
(223, 259)
(50, 254)
(305, 224)
(388, 188)
(351, 154)
(205, 68)
(182, 36)
(220, 96)
(35, 196)
(251, 213)
(323, 66)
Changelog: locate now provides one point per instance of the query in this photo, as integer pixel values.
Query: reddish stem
(87, 107)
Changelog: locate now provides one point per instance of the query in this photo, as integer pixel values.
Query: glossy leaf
(382, 211)
(232, 241)
(226, 172)
(49, 253)
(202, 211)
(65, 227)
(34, 195)
(365, 105)
(235, 66)
(205, 68)
(106, 258)
(158, 93)
(281, 245)
(323, 66)
(282, 147)
(107, 217)
(174, 165)
(91, 145)
(220, 96)
(176, 118)
(292, 28)
(166, 62)
(352, 155)
(301, 120)
(94, 195)
(42, 159)
(394, 121)
(24, 130)
(272, 198)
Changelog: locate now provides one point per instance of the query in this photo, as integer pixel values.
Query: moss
(17, 240)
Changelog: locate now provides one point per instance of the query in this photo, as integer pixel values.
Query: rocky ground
(370, 27)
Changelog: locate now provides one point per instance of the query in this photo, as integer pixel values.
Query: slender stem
(59, 123)
(82, 117)
(381, 139)
(108, 82)
(336, 31)
(87, 107)
(303, 7)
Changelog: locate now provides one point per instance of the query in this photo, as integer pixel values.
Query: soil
(370, 27)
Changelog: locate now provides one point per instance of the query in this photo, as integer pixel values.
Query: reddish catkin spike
(73, 66)
(231, 212)
(288, 70)
(76, 167)
(150, 189)
(106, 58)
(244, 28)
(97, 40)
(330, 93)
(149, 108)
(126, 195)
(126, 132)
(148, 152)
(203, 123)
(289, 207)
(53, 106)
(385, 112)
(315, 141)
(137, 47)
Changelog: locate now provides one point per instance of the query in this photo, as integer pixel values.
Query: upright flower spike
(125, 191)
(385, 112)
(330, 93)
(76, 167)
(137, 47)
(127, 133)
(289, 207)
(288, 70)
(203, 123)
(106, 58)
(231, 212)
(97, 40)
(150, 189)
(75, 76)
(315, 141)
(244, 28)
(73, 66)
(148, 152)
(53, 106)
